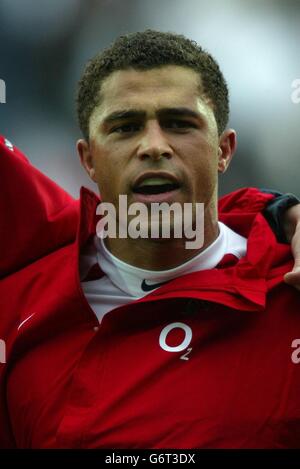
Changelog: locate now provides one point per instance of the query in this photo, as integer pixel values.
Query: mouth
(156, 186)
(155, 183)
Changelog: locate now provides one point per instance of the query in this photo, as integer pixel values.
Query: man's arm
(37, 216)
(283, 215)
(291, 223)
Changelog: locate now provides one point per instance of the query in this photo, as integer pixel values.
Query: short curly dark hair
(144, 51)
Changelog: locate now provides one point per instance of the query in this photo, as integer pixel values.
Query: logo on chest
(183, 343)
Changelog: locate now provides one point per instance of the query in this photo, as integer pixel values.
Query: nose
(153, 143)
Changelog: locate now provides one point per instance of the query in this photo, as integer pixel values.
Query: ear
(86, 158)
(227, 147)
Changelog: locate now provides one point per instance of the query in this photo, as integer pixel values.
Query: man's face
(155, 121)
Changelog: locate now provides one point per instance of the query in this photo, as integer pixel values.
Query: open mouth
(155, 186)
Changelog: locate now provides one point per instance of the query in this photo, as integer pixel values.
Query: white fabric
(122, 283)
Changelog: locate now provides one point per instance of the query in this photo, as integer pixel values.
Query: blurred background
(45, 44)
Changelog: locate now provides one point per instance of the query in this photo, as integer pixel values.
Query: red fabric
(37, 216)
(69, 384)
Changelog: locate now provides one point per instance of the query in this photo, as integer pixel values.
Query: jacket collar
(87, 216)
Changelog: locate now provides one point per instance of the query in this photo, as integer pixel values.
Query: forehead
(148, 90)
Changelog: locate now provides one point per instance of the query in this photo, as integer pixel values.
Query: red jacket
(202, 362)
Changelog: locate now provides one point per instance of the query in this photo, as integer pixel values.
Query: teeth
(155, 182)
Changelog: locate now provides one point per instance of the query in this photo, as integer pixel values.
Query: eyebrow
(138, 114)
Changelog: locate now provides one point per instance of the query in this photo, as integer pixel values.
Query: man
(153, 345)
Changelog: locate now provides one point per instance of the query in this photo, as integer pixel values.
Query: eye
(179, 124)
(126, 128)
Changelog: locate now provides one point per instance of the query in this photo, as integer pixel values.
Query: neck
(160, 254)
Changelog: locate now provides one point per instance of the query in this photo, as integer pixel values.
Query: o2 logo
(184, 345)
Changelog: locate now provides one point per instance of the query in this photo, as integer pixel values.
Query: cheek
(204, 171)
(202, 158)
(104, 176)
(111, 180)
